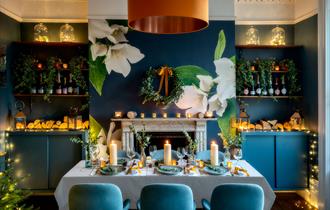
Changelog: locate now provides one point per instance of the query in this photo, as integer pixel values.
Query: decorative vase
(227, 154)
(233, 150)
(143, 157)
(90, 156)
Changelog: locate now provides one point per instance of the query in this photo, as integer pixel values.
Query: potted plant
(143, 140)
(25, 74)
(76, 65)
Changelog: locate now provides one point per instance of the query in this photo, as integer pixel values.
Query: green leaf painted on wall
(95, 127)
(97, 73)
(224, 121)
(221, 46)
(233, 59)
(188, 74)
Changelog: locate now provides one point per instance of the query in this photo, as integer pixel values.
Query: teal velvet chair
(97, 197)
(159, 155)
(205, 156)
(166, 197)
(236, 196)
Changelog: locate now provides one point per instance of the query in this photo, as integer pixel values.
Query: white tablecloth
(131, 185)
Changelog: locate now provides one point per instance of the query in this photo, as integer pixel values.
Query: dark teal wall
(9, 31)
(80, 30)
(307, 36)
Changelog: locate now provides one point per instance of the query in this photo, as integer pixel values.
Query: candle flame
(213, 142)
(167, 142)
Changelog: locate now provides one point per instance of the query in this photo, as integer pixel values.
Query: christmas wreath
(167, 77)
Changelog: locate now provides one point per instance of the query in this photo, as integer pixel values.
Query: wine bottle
(40, 85)
(70, 85)
(258, 91)
(246, 90)
(283, 91)
(252, 92)
(277, 88)
(271, 89)
(58, 84)
(64, 87)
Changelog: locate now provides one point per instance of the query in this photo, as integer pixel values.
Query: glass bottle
(252, 92)
(246, 90)
(283, 91)
(270, 90)
(277, 88)
(41, 85)
(58, 84)
(70, 85)
(258, 91)
(64, 87)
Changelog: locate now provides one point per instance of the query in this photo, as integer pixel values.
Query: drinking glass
(179, 152)
(130, 154)
(152, 150)
(238, 155)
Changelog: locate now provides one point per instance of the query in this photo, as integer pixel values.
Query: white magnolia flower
(205, 82)
(120, 56)
(193, 100)
(117, 34)
(216, 105)
(98, 29)
(98, 50)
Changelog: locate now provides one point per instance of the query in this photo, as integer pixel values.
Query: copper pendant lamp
(168, 16)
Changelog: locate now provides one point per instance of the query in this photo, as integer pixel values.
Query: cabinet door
(291, 161)
(259, 151)
(30, 153)
(63, 155)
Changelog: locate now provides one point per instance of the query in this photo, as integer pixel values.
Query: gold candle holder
(174, 162)
(142, 115)
(118, 114)
(164, 115)
(154, 115)
(188, 115)
(178, 115)
(209, 114)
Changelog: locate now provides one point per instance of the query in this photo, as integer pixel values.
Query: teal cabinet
(281, 157)
(44, 157)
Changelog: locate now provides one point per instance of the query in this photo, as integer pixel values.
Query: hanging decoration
(167, 77)
(41, 33)
(168, 16)
(67, 33)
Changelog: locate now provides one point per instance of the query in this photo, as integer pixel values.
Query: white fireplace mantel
(196, 125)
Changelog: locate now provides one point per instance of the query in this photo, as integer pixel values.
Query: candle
(113, 153)
(214, 154)
(277, 68)
(164, 115)
(253, 68)
(142, 115)
(154, 115)
(65, 65)
(229, 165)
(118, 114)
(209, 114)
(140, 164)
(39, 66)
(178, 115)
(167, 153)
(188, 115)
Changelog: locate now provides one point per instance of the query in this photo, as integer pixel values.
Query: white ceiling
(243, 11)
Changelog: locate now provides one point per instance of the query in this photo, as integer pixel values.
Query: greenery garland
(244, 76)
(150, 95)
(25, 74)
(292, 76)
(76, 65)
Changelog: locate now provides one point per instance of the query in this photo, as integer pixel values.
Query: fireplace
(166, 128)
(177, 139)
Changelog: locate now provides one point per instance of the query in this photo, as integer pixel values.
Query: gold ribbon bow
(164, 72)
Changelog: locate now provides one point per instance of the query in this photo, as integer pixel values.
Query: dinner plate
(169, 170)
(220, 170)
(111, 170)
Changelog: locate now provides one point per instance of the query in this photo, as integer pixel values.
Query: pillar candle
(113, 153)
(214, 154)
(167, 153)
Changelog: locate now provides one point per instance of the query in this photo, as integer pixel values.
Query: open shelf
(55, 44)
(42, 95)
(267, 46)
(270, 97)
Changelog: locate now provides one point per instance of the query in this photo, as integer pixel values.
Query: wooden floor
(284, 201)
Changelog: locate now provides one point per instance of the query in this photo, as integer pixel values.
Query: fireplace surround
(195, 126)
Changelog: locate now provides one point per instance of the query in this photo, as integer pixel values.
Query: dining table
(201, 183)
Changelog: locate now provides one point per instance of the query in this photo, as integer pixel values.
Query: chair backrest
(159, 155)
(238, 197)
(95, 197)
(205, 155)
(167, 196)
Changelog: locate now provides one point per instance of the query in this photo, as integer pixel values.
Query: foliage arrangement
(264, 68)
(231, 141)
(49, 76)
(12, 198)
(86, 145)
(192, 143)
(150, 95)
(25, 73)
(76, 65)
(142, 137)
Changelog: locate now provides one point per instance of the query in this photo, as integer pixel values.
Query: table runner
(131, 185)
